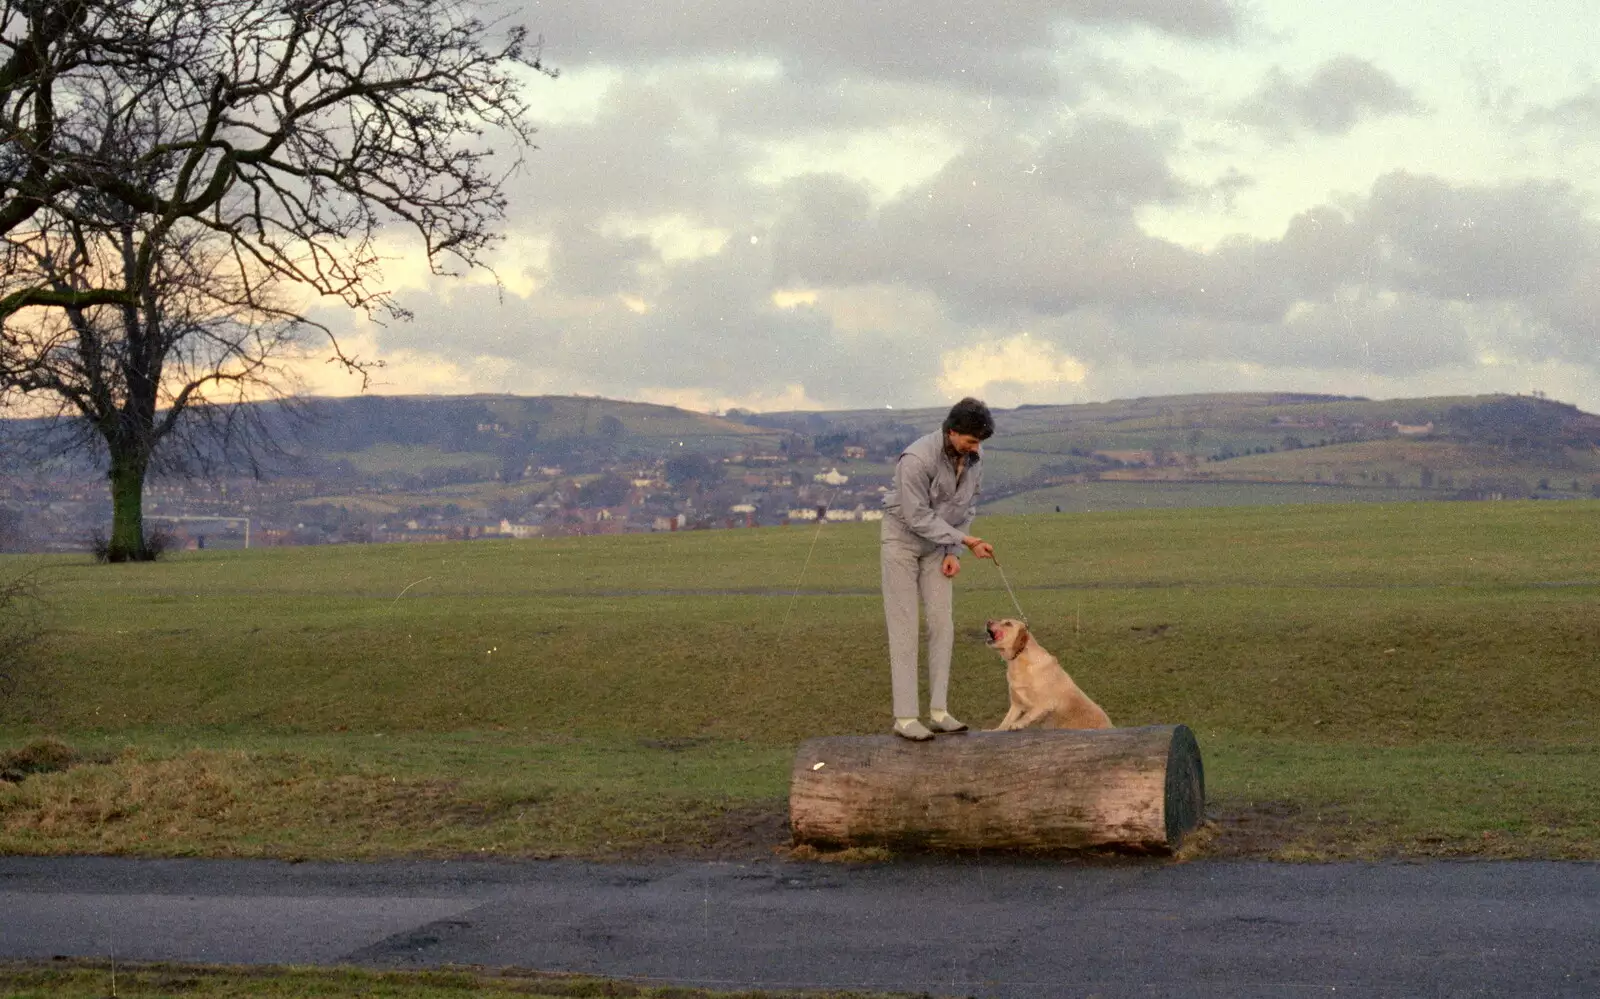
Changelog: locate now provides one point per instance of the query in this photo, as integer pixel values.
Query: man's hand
(950, 566)
(979, 547)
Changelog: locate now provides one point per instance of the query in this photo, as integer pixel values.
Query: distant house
(768, 479)
(803, 513)
(1405, 430)
(510, 530)
(832, 477)
(855, 451)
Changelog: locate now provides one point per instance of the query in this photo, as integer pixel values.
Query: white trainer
(910, 728)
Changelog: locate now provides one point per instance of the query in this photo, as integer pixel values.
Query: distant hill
(474, 423)
(456, 467)
(500, 435)
(1461, 447)
(460, 438)
(1505, 445)
(1228, 448)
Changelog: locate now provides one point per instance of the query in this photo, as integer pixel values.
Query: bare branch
(168, 166)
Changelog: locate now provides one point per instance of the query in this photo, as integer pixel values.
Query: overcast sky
(896, 203)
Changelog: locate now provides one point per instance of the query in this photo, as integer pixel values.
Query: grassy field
(1453, 466)
(1099, 497)
(1366, 680)
(96, 980)
(403, 459)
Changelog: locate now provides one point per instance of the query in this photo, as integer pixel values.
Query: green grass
(1100, 497)
(1364, 679)
(1296, 800)
(1454, 466)
(1002, 467)
(95, 980)
(410, 458)
(232, 793)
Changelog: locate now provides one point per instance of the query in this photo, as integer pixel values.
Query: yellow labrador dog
(1041, 691)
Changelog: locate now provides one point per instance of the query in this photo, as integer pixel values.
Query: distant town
(459, 468)
(697, 492)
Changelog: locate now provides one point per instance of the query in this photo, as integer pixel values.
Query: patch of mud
(738, 833)
(750, 830)
(1255, 831)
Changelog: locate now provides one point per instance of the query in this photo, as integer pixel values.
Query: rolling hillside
(1263, 448)
(352, 469)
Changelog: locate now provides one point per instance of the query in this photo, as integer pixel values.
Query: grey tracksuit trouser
(911, 576)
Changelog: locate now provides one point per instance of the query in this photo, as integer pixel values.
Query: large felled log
(1038, 789)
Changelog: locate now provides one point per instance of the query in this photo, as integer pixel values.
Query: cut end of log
(1041, 789)
(1184, 797)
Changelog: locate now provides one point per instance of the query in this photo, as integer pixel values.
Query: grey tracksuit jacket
(926, 513)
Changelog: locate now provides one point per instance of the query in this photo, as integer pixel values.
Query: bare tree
(171, 384)
(169, 169)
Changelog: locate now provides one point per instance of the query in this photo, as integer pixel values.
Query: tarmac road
(980, 928)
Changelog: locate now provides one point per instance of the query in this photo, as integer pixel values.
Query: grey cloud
(976, 44)
(1053, 219)
(712, 328)
(808, 104)
(1530, 243)
(789, 107)
(1108, 161)
(1334, 99)
(1010, 225)
(1413, 277)
(825, 234)
(1012, 234)
(1421, 275)
(987, 230)
(1579, 113)
(1574, 317)
(798, 101)
(1202, 19)
(1323, 248)
(586, 262)
(1517, 241)
(646, 153)
(1395, 335)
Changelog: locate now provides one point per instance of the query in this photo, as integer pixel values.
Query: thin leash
(1020, 615)
(794, 597)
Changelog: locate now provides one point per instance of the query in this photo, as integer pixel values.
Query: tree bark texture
(127, 543)
(1039, 789)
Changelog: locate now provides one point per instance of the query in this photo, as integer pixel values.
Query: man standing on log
(927, 514)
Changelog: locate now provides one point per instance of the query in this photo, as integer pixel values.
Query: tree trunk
(1039, 789)
(127, 543)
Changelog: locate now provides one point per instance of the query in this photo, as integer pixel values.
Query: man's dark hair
(970, 416)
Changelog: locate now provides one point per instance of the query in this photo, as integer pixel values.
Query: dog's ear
(1022, 638)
